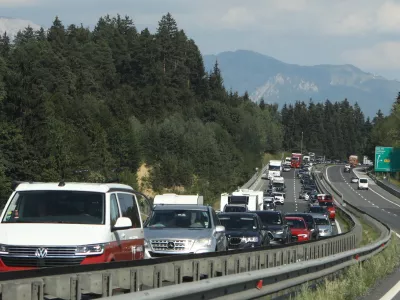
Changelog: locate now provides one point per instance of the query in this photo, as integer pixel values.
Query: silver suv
(183, 229)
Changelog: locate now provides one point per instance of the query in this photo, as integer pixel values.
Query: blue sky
(307, 32)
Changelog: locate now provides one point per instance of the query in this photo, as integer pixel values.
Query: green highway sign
(383, 156)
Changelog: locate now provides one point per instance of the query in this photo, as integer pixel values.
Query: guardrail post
(157, 278)
(196, 270)
(135, 280)
(178, 274)
(75, 289)
(211, 270)
(107, 285)
(37, 290)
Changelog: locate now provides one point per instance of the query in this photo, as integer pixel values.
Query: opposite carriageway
(233, 273)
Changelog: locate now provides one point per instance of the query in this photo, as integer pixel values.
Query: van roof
(73, 186)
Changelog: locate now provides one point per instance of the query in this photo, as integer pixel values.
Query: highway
(379, 204)
(292, 202)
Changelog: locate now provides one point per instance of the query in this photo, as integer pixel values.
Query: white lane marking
(392, 292)
(339, 230)
(384, 198)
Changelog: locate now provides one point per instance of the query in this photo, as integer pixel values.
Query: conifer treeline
(77, 104)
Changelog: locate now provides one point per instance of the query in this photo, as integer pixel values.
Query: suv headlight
(204, 242)
(3, 249)
(94, 249)
(250, 239)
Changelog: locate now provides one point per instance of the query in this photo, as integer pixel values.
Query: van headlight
(94, 249)
(3, 249)
(204, 242)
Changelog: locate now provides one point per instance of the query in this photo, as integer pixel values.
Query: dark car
(310, 223)
(277, 225)
(317, 209)
(244, 230)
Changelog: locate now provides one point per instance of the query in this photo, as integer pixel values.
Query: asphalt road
(376, 201)
(379, 204)
(293, 187)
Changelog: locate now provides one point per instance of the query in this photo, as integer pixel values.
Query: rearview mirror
(219, 229)
(122, 223)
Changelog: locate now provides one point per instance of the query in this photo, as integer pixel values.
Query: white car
(354, 180)
(279, 199)
(286, 169)
(363, 184)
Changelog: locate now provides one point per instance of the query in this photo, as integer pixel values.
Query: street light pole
(301, 150)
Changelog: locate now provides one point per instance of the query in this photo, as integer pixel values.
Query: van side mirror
(122, 223)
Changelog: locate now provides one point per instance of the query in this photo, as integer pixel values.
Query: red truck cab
(296, 160)
(299, 228)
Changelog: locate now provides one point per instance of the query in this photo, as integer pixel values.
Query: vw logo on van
(171, 245)
(41, 252)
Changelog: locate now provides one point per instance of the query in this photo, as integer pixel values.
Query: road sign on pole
(395, 161)
(383, 159)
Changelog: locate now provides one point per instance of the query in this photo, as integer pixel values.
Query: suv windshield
(238, 222)
(179, 219)
(74, 207)
(320, 221)
(271, 219)
(317, 209)
(308, 218)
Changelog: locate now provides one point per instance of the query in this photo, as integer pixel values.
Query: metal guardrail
(387, 186)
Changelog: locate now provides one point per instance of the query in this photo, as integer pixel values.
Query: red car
(299, 228)
(330, 206)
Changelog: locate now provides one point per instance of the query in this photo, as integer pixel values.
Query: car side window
(114, 211)
(129, 208)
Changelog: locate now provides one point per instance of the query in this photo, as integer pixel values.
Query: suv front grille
(171, 245)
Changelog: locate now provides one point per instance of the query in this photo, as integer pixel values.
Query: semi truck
(353, 161)
(296, 160)
(274, 168)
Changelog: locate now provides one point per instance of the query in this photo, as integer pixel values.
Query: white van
(363, 184)
(59, 224)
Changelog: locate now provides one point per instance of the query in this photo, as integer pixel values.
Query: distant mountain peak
(275, 81)
(12, 25)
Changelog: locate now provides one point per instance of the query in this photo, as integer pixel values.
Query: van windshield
(363, 180)
(73, 207)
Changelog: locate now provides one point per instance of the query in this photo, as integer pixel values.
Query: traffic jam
(103, 223)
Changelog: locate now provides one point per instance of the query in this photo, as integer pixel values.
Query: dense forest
(335, 130)
(114, 103)
(98, 105)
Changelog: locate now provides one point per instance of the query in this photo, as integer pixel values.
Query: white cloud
(13, 3)
(381, 56)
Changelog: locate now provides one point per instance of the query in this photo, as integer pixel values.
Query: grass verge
(369, 235)
(358, 279)
(344, 225)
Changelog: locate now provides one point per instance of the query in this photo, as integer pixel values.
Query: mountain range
(11, 26)
(264, 77)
